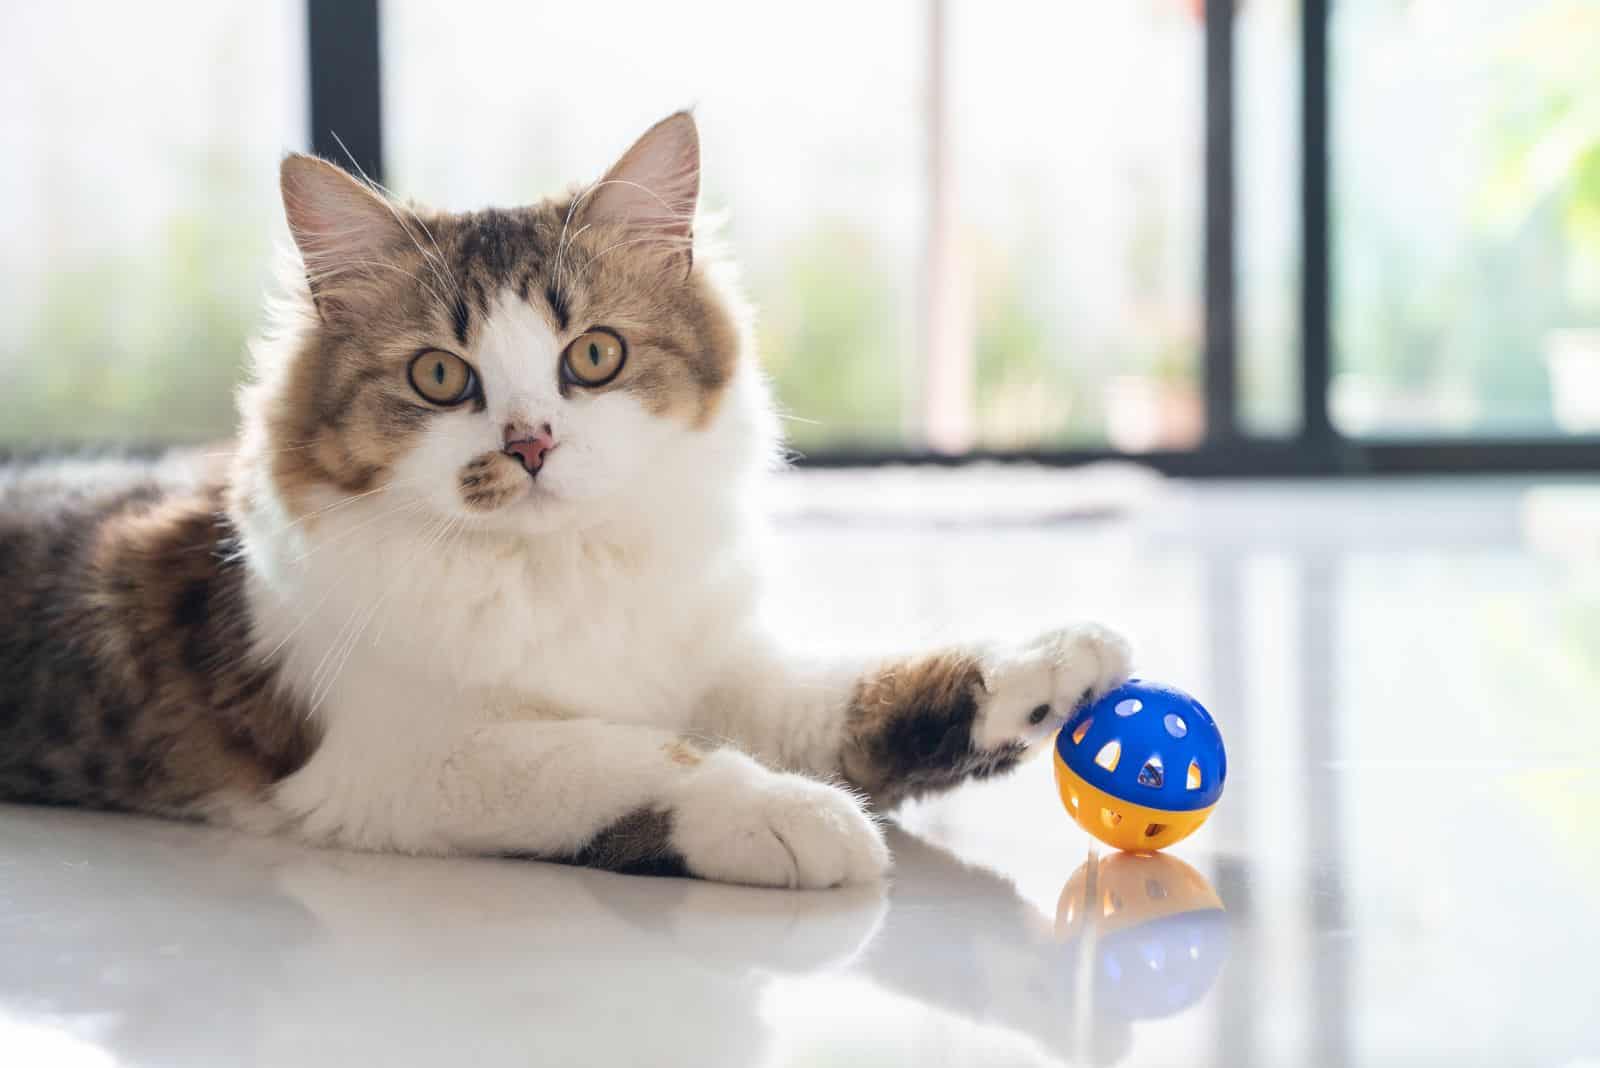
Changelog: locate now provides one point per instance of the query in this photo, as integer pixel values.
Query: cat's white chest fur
(408, 645)
(610, 623)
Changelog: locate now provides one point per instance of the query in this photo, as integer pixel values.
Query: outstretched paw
(922, 725)
(1032, 690)
(739, 822)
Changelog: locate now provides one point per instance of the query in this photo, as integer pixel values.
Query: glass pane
(1267, 214)
(812, 142)
(1466, 225)
(138, 211)
(1078, 136)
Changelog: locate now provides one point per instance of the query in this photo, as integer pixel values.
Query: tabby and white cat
(483, 575)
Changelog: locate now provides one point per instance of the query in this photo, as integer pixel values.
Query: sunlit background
(969, 227)
(985, 233)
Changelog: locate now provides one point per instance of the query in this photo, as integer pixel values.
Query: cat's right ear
(339, 224)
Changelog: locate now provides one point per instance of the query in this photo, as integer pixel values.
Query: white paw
(738, 822)
(1031, 690)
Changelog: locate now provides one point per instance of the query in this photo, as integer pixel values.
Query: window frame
(345, 72)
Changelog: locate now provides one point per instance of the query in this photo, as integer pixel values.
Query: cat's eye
(594, 358)
(442, 378)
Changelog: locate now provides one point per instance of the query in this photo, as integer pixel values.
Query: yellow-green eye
(594, 358)
(442, 378)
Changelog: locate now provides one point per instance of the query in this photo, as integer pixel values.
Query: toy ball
(1142, 767)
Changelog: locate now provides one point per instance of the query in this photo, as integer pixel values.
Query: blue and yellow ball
(1142, 767)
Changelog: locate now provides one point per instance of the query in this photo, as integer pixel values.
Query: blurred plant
(1449, 287)
(831, 339)
(1044, 377)
(146, 345)
(1025, 382)
(1548, 133)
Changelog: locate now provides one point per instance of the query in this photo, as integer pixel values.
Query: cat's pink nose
(529, 447)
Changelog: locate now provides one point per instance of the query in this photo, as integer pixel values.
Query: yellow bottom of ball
(1118, 823)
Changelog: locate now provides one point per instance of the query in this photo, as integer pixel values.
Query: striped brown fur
(909, 729)
(126, 674)
(431, 282)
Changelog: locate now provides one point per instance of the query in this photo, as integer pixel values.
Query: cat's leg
(919, 724)
(626, 798)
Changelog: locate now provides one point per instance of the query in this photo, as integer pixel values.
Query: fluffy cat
(483, 575)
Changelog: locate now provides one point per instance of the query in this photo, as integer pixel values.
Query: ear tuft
(656, 183)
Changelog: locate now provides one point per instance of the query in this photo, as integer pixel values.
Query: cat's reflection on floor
(177, 945)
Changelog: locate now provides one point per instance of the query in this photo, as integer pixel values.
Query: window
(139, 210)
(1466, 217)
(1077, 138)
(812, 139)
(1267, 234)
(969, 229)
(1052, 300)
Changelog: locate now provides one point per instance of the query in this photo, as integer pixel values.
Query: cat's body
(127, 678)
(484, 573)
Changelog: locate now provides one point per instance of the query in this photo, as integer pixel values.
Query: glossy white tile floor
(1405, 868)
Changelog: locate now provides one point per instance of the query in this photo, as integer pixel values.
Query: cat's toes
(1090, 661)
(1032, 690)
(739, 822)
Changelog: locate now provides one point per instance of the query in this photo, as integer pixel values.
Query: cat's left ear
(341, 227)
(655, 187)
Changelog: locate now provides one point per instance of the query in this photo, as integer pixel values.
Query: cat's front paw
(1030, 691)
(739, 822)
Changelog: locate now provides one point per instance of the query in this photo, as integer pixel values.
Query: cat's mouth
(494, 480)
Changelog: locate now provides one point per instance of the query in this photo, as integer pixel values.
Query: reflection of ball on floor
(1142, 767)
(1156, 929)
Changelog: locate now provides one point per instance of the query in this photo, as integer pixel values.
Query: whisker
(344, 501)
(438, 266)
(343, 534)
(321, 685)
(293, 447)
(316, 674)
(671, 211)
(366, 623)
(349, 647)
(655, 238)
(345, 264)
(563, 243)
(276, 649)
(411, 560)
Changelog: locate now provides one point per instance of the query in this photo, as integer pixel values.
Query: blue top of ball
(1163, 747)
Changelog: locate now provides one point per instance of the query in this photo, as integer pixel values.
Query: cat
(483, 574)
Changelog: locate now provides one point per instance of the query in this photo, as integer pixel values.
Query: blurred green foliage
(1446, 304)
(146, 345)
(831, 339)
(146, 342)
(1547, 135)
(1027, 392)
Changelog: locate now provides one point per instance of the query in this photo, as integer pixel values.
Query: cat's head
(523, 369)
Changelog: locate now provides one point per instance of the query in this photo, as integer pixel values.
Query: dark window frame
(345, 70)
